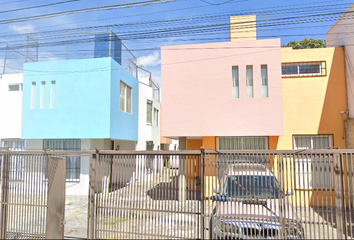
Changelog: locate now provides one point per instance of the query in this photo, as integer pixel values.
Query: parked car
(251, 204)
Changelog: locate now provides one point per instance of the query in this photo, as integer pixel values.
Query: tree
(306, 43)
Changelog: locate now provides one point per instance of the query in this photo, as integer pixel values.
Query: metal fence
(185, 194)
(223, 194)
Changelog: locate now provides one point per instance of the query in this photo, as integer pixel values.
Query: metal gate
(32, 206)
(221, 194)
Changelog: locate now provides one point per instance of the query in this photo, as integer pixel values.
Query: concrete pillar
(182, 181)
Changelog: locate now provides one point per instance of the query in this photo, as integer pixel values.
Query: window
(149, 112)
(156, 117)
(42, 94)
(73, 163)
(312, 142)
(249, 81)
(52, 94)
(242, 143)
(14, 144)
(303, 69)
(125, 98)
(264, 76)
(235, 83)
(33, 95)
(16, 163)
(313, 171)
(15, 87)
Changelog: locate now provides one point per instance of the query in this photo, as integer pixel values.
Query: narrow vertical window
(157, 118)
(249, 81)
(264, 76)
(52, 94)
(122, 96)
(125, 98)
(128, 103)
(33, 95)
(149, 112)
(42, 94)
(235, 82)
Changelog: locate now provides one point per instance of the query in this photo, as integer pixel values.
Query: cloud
(22, 29)
(150, 60)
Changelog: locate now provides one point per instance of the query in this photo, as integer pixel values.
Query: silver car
(251, 204)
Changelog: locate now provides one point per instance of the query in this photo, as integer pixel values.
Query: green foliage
(306, 43)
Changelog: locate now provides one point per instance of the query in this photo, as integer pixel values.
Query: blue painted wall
(123, 125)
(83, 104)
(102, 46)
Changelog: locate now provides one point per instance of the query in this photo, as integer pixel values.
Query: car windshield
(262, 187)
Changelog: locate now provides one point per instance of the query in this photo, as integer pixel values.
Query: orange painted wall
(194, 144)
(312, 105)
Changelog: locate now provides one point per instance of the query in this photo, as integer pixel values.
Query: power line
(38, 6)
(84, 10)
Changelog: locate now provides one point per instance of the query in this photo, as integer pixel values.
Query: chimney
(243, 27)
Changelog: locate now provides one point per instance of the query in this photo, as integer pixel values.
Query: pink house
(222, 89)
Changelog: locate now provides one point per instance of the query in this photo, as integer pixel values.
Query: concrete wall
(197, 90)
(10, 107)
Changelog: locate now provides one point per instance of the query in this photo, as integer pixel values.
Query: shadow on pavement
(329, 215)
(169, 191)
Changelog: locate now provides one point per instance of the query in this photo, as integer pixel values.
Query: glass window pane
(289, 69)
(149, 112)
(122, 96)
(242, 143)
(52, 95)
(309, 68)
(33, 95)
(235, 82)
(42, 94)
(14, 87)
(264, 76)
(249, 81)
(129, 100)
(321, 142)
(302, 142)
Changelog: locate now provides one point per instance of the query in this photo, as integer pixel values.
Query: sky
(144, 29)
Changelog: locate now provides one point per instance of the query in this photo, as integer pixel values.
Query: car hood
(271, 209)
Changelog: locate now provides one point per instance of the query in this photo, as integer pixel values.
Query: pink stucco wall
(197, 89)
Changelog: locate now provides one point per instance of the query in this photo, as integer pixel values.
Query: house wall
(82, 99)
(191, 74)
(342, 34)
(123, 125)
(87, 98)
(313, 105)
(147, 132)
(10, 107)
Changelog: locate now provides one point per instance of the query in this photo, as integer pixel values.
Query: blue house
(104, 102)
(81, 104)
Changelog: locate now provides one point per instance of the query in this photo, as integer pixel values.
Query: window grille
(73, 163)
(303, 69)
(313, 171)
